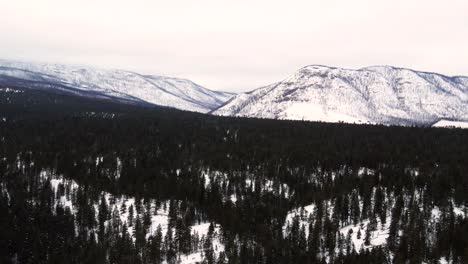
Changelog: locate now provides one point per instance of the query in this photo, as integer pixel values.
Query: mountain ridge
(126, 85)
(374, 94)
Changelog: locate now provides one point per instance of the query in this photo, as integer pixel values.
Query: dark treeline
(368, 176)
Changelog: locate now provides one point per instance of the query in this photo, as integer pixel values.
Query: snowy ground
(121, 203)
(377, 238)
(159, 217)
(202, 231)
(378, 234)
(10, 90)
(303, 213)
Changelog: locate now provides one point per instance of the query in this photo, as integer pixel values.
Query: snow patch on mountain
(451, 124)
(304, 111)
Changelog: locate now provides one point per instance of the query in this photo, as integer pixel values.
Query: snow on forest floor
(457, 210)
(265, 185)
(378, 237)
(442, 260)
(378, 234)
(122, 205)
(202, 231)
(303, 213)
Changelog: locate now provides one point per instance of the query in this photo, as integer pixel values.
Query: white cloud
(237, 44)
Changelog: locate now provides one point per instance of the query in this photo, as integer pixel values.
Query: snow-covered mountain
(115, 84)
(379, 94)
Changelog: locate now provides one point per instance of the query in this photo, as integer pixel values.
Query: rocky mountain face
(380, 94)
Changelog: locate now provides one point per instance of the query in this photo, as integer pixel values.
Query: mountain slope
(380, 94)
(451, 124)
(115, 84)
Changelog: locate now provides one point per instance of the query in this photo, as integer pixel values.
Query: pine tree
(183, 236)
(394, 224)
(348, 241)
(103, 217)
(156, 246)
(367, 238)
(131, 217)
(355, 209)
(208, 250)
(170, 248)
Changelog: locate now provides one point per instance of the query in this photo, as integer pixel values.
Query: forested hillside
(90, 181)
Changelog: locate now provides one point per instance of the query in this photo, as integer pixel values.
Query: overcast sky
(237, 45)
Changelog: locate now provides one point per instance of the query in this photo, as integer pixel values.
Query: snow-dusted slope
(451, 124)
(119, 84)
(380, 94)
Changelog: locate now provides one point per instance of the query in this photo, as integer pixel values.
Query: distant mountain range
(375, 95)
(121, 85)
(378, 95)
